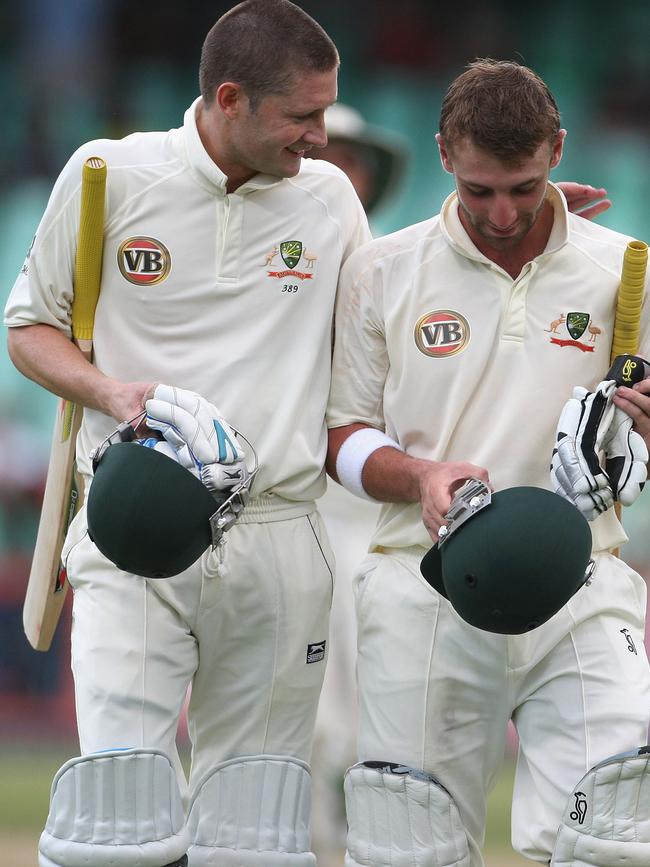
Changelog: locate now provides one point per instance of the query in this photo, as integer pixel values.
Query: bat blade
(47, 586)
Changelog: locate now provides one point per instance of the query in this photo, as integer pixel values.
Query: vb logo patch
(441, 333)
(144, 261)
(291, 253)
(575, 325)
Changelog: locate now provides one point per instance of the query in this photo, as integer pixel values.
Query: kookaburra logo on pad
(580, 810)
(144, 261)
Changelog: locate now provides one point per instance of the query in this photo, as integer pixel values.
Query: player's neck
(512, 259)
(213, 140)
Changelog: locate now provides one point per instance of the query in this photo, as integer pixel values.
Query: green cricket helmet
(146, 513)
(511, 559)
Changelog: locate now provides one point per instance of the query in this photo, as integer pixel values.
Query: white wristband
(354, 453)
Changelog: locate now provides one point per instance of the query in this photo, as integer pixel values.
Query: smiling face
(270, 137)
(499, 202)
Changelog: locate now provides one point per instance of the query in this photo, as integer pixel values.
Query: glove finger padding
(193, 426)
(576, 471)
(590, 503)
(626, 458)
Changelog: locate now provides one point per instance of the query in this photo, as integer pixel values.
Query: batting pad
(401, 817)
(252, 811)
(121, 808)
(607, 820)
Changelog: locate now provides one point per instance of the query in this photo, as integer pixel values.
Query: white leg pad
(121, 808)
(252, 811)
(607, 820)
(401, 817)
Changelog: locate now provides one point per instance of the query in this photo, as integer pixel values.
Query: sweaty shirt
(456, 361)
(228, 295)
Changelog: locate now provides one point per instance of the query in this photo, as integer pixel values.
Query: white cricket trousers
(436, 693)
(247, 630)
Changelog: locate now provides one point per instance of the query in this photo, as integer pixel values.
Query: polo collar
(455, 234)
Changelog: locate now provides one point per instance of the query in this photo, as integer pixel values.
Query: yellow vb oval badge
(143, 261)
(441, 333)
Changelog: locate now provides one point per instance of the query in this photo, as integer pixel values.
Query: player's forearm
(391, 476)
(45, 355)
(388, 474)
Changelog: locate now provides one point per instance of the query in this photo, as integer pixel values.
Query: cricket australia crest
(575, 325)
(291, 253)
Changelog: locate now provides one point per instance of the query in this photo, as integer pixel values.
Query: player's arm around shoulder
(368, 463)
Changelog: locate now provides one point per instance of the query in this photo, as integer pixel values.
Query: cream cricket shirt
(457, 362)
(231, 296)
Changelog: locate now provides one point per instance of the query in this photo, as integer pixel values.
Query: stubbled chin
(293, 164)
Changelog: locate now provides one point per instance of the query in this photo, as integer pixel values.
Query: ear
(558, 145)
(230, 98)
(444, 155)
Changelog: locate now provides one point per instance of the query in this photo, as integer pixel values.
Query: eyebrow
(527, 182)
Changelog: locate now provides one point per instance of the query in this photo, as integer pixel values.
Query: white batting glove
(626, 458)
(220, 479)
(204, 442)
(576, 471)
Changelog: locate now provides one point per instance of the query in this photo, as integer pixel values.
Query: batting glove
(576, 471)
(204, 442)
(626, 458)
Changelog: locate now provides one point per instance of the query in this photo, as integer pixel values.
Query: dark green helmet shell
(515, 562)
(146, 513)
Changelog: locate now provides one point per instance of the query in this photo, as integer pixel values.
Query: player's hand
(125, 401)
(438, 484)
(635, 402)
(199, 434)
(583, 199)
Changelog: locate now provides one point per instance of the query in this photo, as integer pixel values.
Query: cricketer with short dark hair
(222, 251)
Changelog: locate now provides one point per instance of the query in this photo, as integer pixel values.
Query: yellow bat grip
(630, 298)
(88, 264)
(625, 340)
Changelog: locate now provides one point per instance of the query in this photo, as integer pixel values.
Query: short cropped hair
(261, 44)
(502, 107)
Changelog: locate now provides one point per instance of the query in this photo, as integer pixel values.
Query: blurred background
(75, 70)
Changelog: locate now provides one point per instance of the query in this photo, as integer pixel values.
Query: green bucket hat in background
(146, 513)
(515, 562)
